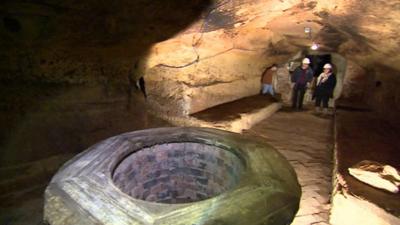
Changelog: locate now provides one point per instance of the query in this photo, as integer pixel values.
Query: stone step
(234, 116)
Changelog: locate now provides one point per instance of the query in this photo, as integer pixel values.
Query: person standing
(301, 80)
(325, 85)
(267, 79)
(140, 83)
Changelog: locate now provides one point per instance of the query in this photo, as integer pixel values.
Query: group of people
(302, 79)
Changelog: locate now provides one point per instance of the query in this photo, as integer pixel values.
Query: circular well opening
(178, 172)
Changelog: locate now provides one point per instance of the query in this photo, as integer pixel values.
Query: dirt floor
(305, 140)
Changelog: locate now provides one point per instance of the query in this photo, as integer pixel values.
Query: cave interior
(69, 73)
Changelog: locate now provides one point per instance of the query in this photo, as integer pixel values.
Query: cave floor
(306, 141)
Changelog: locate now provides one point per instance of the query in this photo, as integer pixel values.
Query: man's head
(274, 67)
(305, 63)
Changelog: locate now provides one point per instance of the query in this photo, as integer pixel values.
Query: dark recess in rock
(12, 25)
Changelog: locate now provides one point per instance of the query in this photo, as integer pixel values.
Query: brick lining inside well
(178, 172)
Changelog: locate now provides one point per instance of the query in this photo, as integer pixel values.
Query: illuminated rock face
(221, 57)
(218, 59)
(143, 177)
(195, 55)
(186, 91)
(357, 82)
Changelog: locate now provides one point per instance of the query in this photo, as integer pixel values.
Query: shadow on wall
(64, 79)
(95, 23)
(65, 42)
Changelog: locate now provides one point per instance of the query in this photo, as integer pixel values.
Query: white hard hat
(306, 61)
(327, 66)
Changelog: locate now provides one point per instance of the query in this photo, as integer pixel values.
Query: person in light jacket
(325, 85)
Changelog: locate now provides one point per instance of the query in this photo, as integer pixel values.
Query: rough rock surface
(377, 175)
(193, 54)
(222, 56)
(199, 54)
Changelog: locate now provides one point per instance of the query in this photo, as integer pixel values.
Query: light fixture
(307, 31)
(314, 46)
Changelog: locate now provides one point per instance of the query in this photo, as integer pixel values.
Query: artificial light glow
(314, 46)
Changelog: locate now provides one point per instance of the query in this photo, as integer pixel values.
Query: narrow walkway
(307, 142)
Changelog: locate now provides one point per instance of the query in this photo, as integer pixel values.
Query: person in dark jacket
(325, 85)
(140, 84)
(301, 80)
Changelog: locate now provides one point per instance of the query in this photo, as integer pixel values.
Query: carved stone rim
(88, 178)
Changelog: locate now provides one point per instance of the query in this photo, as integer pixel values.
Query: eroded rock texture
(192, 54)
(207, 52)
(221, 56)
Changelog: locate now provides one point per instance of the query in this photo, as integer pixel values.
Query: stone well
(178, 172)
(174, 176)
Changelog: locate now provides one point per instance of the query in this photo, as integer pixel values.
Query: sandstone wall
(356, 82)
(194, 54)
(215, 60)
(340, 64)
(376, 87)
(385, 92)
(219, 79)
(40, 121)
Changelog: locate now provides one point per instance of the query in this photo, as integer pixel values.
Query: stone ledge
(359, 137)
(240, 122)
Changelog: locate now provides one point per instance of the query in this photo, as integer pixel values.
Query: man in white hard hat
(301, 80)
